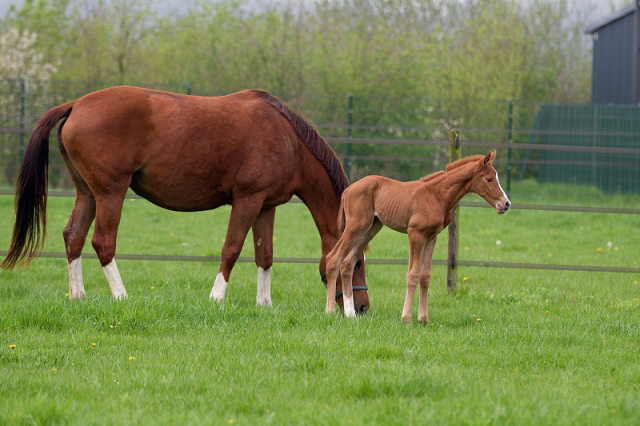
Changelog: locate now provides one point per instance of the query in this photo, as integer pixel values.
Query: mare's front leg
(425, 278)
(244, 211)
(416, 248)
(333, 262)
(263, 245)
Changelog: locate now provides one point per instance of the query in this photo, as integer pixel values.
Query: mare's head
(359, 286)
(485, 183)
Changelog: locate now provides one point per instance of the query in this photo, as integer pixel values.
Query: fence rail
(588, 155)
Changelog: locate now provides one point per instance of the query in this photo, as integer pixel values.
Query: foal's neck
(451, 185)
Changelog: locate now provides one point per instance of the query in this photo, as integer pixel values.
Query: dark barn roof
(611, 18)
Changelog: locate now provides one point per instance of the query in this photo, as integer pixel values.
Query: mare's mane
(310, 136)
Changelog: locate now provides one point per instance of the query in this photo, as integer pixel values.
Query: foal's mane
(310, 136)
(463, 161)
(452, 166)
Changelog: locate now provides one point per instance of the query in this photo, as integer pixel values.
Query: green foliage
(480, 49)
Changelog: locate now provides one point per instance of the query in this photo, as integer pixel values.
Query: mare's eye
(358, 263)
(489, 179)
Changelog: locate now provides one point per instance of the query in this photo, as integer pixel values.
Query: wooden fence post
(452, 273)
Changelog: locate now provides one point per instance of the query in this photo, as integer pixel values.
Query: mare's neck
(453, 184)
(318, 195)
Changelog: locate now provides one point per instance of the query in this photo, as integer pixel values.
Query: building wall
(613, 57)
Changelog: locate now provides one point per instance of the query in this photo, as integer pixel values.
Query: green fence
(547, 154)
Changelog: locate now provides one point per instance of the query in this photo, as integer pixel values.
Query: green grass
(510, 347)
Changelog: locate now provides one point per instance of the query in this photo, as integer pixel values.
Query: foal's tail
(31, 192)
(342, 217)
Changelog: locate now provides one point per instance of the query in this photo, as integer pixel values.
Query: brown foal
(420, 209)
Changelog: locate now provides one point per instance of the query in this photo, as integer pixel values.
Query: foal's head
(485, 183)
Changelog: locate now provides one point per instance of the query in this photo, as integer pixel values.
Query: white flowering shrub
(19, 58)
(23, 71)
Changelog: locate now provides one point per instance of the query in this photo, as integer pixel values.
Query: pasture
(509, 347)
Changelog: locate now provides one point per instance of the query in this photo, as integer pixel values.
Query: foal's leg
(75, 233)
(244, 211)
(108, 214)
(263, 245)
(425, 278)
(416, 247)
(349, 263)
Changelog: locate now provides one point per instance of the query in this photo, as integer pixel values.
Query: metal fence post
(510, 141)
(23, 99)
(452, 273)
(188, 88)
(349, 136)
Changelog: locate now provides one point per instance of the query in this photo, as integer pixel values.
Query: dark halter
(323, 277)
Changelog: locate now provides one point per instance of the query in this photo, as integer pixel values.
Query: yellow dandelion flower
(66, 295)
(635, 282)
(152, 287)
(616, 249)
(536, 245)
(465, 279)
(231, 421)
(173, 234)
(635, 300)
(549, 254)
(546, 312)
(12, 346)
(599, 249)
(54, 369)
(93, 344)
(132, 358)
(479, 319)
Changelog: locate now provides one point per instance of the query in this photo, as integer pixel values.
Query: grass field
(510, 347)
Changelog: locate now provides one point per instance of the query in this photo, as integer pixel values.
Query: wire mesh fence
(579, 155)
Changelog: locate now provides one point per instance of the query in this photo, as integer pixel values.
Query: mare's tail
(31, 192)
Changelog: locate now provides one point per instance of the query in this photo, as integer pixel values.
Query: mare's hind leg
(263, 245)
(108, 213)
(425, 278)
(75, 233)
(244, 212)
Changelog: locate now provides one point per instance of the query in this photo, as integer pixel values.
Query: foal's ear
(489, 157)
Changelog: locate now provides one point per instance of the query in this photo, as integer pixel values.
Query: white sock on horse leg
(115, 282)
(76, 287)
(263, 297)
(219, 289)
(349, 309)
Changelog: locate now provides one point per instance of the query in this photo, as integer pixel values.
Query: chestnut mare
(420, 209)
(183, 153)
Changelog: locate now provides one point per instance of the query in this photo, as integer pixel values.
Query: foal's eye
(358, 263)
(489, 179)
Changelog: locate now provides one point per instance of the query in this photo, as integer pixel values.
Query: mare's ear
(489, 157)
